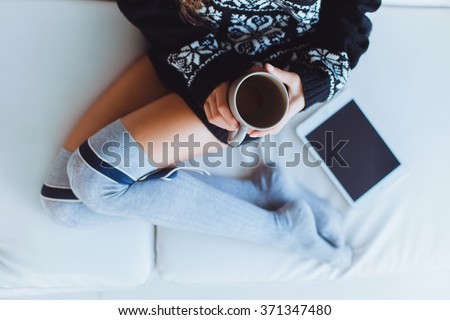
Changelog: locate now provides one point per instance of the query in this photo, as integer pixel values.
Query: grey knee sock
(60, 203)
(112, 188)
(270, 187)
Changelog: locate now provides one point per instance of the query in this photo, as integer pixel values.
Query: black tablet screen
(353, 150)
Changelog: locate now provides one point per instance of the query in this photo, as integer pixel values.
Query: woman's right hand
(217, 108)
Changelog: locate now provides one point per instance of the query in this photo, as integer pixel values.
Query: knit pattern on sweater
(264, 30)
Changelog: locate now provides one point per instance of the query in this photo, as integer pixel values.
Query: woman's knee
(92, 187)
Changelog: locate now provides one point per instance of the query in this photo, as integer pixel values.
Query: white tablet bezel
(321, 115)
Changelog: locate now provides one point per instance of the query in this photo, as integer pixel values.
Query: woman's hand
(296, 98)
(217, 108)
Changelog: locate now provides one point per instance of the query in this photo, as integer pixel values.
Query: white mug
(258, 101)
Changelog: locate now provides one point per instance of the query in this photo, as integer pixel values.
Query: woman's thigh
(136, 87)
(169, 131)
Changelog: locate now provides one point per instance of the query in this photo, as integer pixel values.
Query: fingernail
(270, 67)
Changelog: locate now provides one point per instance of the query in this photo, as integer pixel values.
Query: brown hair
(188, 10)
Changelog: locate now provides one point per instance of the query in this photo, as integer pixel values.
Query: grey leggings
(98, 189)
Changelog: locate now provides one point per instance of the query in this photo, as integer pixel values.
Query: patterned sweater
(321, 40)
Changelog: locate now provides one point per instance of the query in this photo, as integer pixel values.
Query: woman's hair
(188, 10)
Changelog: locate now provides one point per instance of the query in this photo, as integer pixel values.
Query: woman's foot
(280, 188)
(301, 235)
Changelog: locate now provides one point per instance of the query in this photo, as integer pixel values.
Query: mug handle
(235, 138)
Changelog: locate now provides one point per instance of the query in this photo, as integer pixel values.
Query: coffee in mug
(258, 101)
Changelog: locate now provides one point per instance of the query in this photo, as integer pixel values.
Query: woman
(109, 171)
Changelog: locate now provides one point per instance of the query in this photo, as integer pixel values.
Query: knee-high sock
(271, 186)
(105, 174)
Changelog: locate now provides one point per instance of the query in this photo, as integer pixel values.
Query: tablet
(342, 140)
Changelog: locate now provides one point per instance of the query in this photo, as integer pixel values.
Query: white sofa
(58, 56)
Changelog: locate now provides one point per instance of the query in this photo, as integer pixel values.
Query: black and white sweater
(321, 40)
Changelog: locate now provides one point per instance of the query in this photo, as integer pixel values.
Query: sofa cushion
(401, 84)
(56, 58)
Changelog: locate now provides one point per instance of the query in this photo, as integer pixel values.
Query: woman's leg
(105, 174)
(137, 86)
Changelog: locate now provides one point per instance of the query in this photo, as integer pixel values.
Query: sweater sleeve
(336, 43)
(190, 60)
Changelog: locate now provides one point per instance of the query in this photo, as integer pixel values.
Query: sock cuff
(64, 153)
(57, 174)
(117, 148)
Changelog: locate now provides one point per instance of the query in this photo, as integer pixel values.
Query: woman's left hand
(296, 98)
